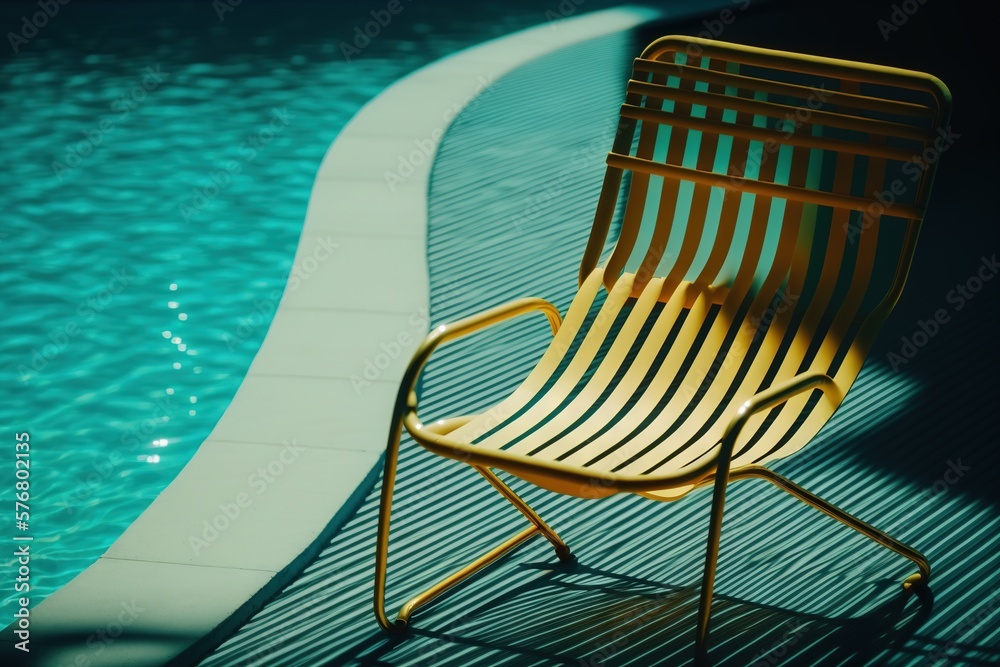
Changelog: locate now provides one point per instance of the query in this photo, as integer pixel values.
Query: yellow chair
(769, 205)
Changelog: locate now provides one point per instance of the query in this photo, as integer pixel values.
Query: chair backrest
(785, 190)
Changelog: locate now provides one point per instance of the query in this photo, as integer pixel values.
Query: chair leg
(711, 561)
(921, 578)
(562, 551)
(722, 478)
(382, 542)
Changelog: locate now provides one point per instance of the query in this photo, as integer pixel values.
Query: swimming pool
(164, 156)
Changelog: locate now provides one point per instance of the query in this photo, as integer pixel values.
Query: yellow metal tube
(407, 393)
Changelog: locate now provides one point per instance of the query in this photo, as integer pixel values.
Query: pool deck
(296, 451)
(794, 588)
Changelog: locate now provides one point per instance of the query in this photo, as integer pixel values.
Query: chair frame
(715, 470)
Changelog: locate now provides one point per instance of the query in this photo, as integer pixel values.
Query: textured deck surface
(509, 218)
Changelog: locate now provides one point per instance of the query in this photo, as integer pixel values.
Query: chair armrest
(766, 400)
(444, 333)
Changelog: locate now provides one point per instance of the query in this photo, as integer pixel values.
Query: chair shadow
(578, 615)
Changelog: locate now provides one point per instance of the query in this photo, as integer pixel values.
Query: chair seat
(613, 392)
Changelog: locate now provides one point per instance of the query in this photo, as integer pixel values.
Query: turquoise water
(135, 274)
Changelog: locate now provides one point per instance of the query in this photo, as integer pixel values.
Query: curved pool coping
(298, 447)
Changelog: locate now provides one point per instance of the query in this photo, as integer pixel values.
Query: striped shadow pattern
(820, 594)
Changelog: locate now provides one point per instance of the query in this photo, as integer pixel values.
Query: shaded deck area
(912, 451)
